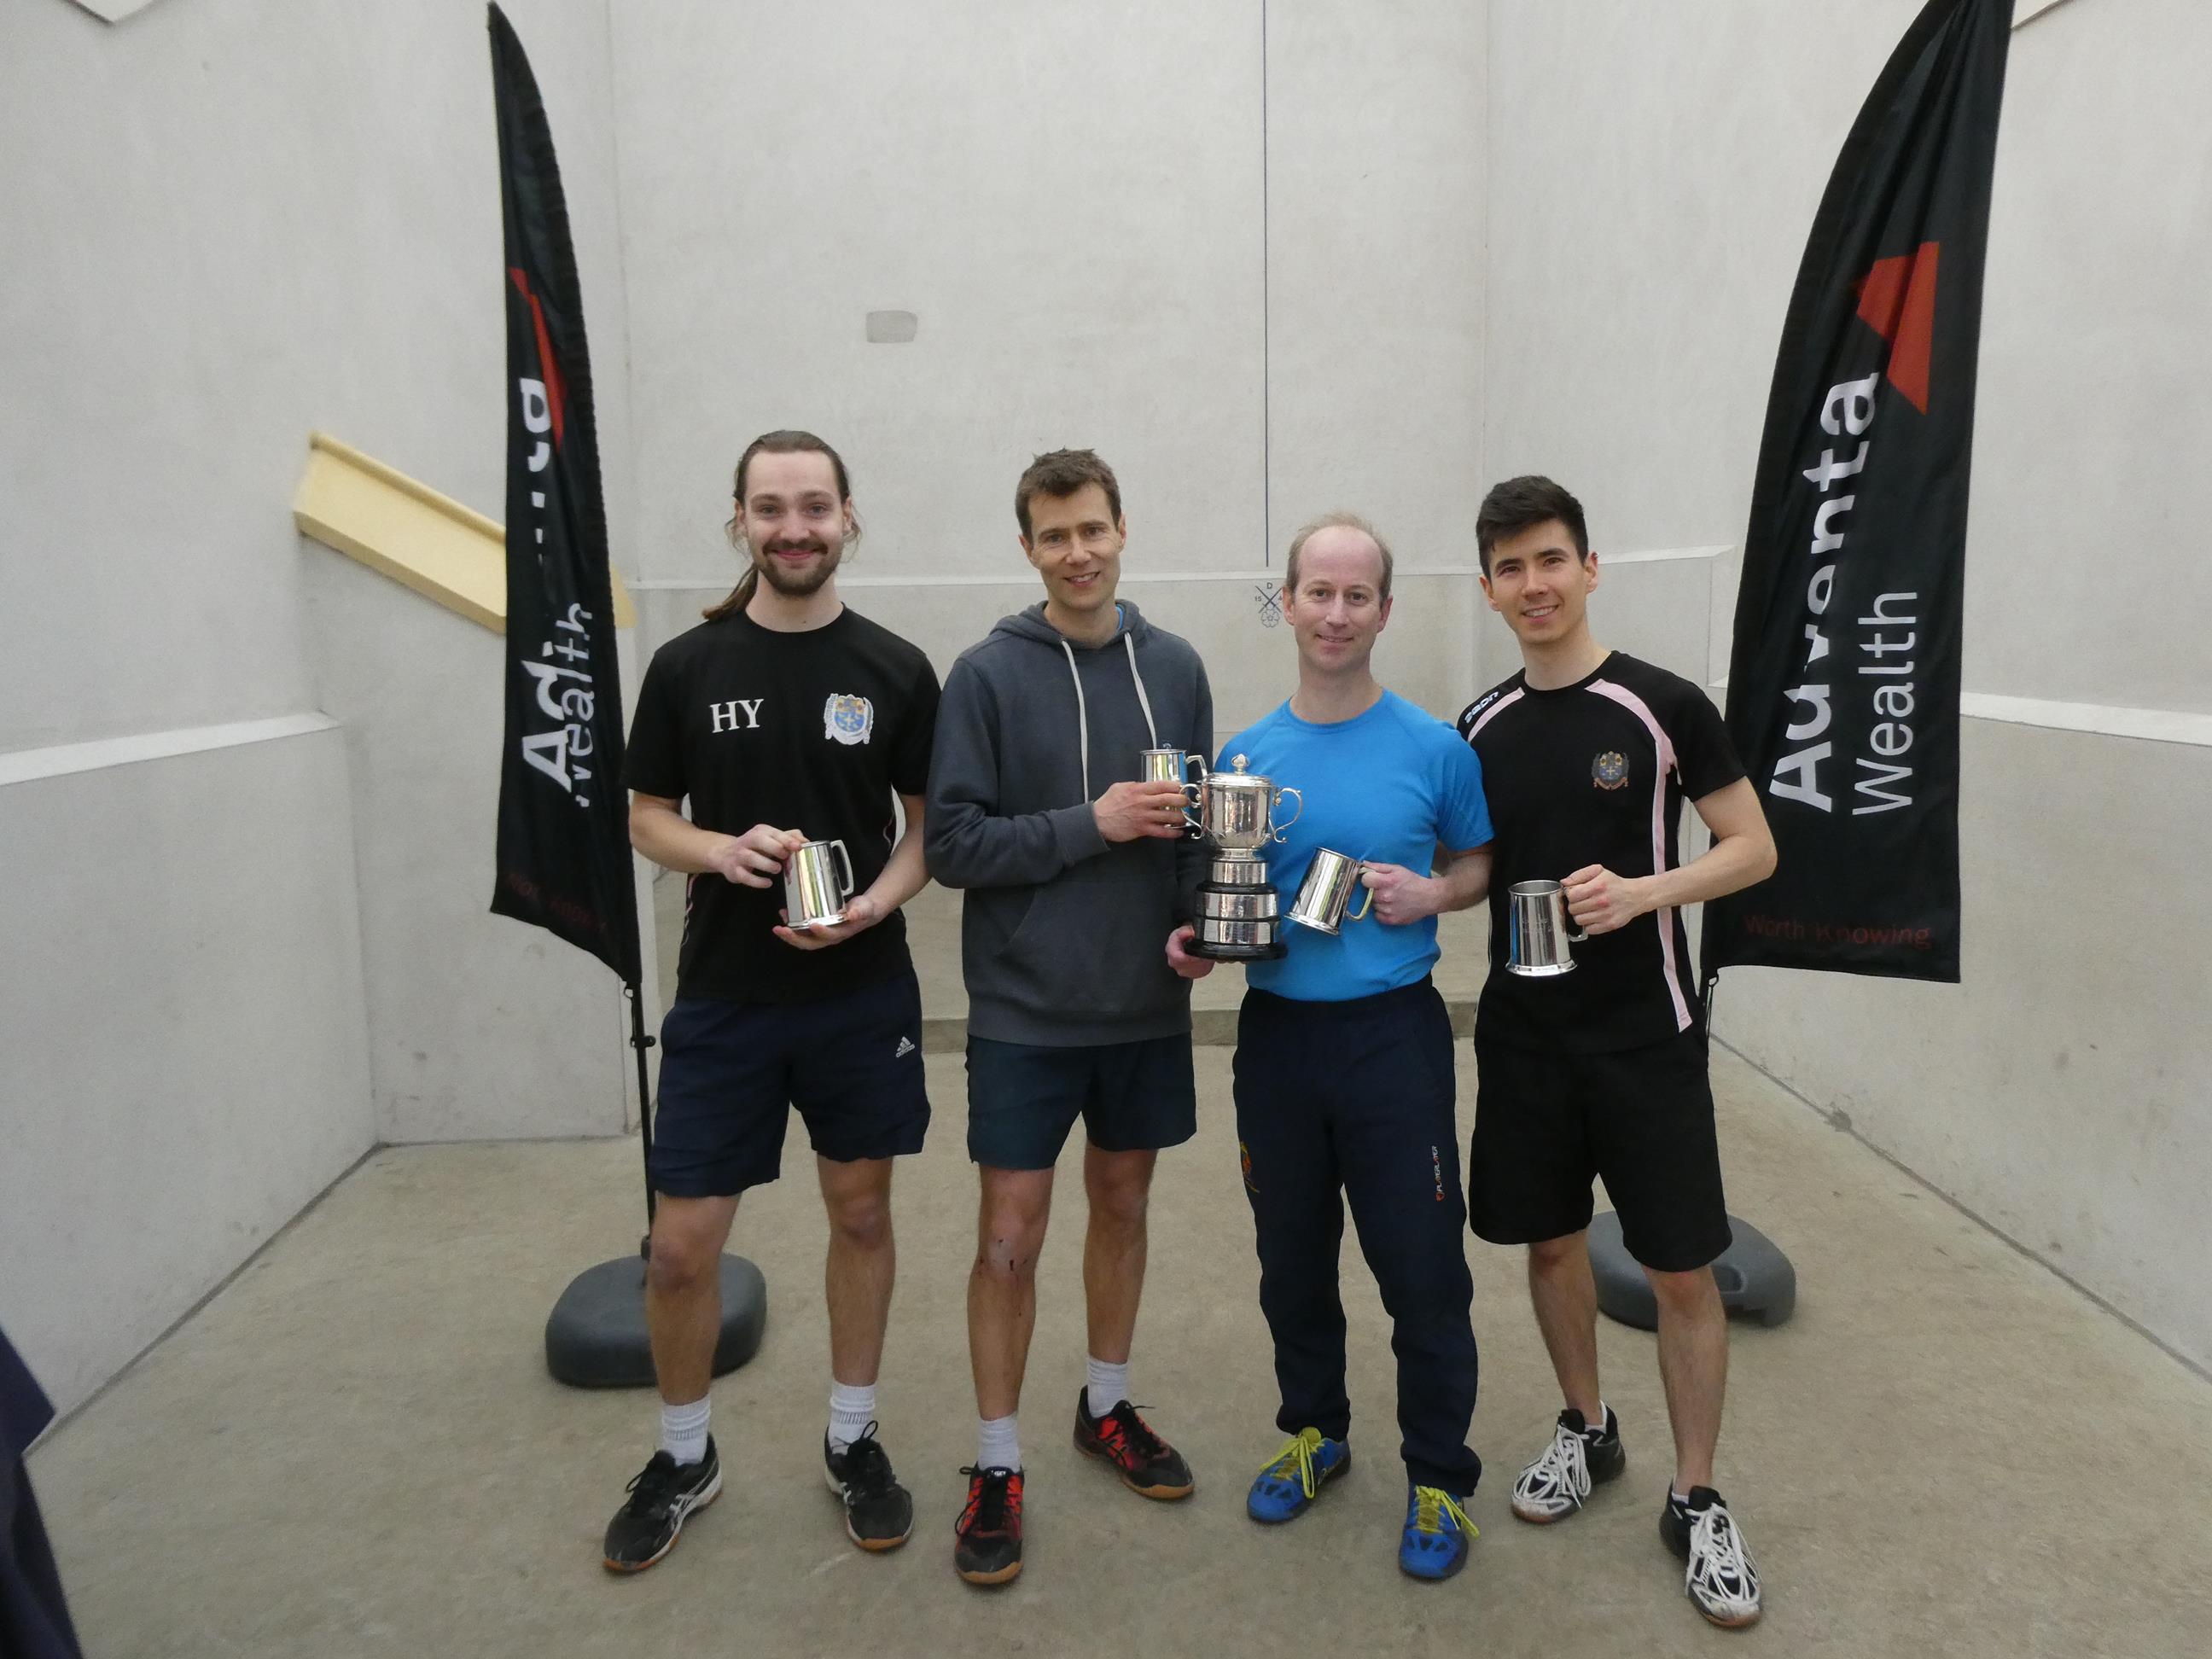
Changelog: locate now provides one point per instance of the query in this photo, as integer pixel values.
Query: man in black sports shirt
(1587, 757)
(785, 718)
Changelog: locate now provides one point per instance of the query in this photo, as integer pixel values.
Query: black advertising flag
(564, 857)
(1843, 693)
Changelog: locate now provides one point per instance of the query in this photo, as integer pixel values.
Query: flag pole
(563, 857)
(639, 1040)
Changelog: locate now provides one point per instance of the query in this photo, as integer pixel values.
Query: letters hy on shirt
(726, 715)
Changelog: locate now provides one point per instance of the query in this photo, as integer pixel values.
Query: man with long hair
(1074, 871)
(1601, 1072)
(785, 718)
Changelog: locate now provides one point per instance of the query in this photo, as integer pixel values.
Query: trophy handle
(1193, 797)
(845, 859)
(1199, 761)
(1276, 830)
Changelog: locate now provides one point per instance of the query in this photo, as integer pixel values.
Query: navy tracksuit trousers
(1338, 1100)
(34, 1620)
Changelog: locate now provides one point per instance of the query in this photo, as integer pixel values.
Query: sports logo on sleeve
(848, 719)
(1610, 770)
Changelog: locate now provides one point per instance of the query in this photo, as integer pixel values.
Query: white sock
(1604, 1416)
(1109, 1385)
(683, 1430)
(997, 1444)
(852, 1408)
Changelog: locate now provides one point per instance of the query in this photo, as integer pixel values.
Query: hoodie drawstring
(1083, 712)
(1143, 701)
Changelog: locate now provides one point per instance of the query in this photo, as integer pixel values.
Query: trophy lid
(1237, 777)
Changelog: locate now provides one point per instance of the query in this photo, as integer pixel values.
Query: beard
(797, 585)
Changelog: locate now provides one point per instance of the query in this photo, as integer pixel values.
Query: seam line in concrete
(2059, 1273)
(63, 760)
(2097, 720)
(177, 1324)
(2103, 719)
(1266, 333)
(1139, 578)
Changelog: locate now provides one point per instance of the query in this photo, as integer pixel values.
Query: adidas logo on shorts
(905, 1047)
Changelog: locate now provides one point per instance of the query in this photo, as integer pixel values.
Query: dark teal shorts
(1023, 1098)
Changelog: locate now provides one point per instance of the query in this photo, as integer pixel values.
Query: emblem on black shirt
(848, 719)
(1610, 770)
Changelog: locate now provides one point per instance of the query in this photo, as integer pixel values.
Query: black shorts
(730, 1072)
(1023, 1098)
(1639, 1119)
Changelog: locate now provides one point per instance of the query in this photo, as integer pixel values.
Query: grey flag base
(596, 1335)
(1756, 1277)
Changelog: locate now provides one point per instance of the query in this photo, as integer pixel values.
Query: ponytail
(740, 597)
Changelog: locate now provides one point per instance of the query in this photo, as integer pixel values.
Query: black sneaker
(879, 1511)
(1557, 1483)
(1146, 1463)
(986, 1546)
(1720, 1577)
(661, 1498)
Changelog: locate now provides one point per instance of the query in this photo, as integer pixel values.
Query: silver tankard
(1170, 766)
(813, 893)
(1173, 766)
(1326, 890)
(1536, 931)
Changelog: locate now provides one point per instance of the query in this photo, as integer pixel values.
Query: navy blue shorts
(730, 1071)
(1023, 1098)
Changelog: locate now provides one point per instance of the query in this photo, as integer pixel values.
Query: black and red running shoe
(987, 1547)
(1146, 1463)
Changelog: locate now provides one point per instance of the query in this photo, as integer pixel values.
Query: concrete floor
(354, 1448)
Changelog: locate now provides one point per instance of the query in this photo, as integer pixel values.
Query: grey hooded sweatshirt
(1063, 938)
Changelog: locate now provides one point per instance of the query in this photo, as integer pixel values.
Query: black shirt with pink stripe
(1596, 773)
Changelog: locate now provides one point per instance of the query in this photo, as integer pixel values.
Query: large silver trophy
(1239, 914)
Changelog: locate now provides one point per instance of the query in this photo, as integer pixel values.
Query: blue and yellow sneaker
(1287, 1486)
(1438, 1533)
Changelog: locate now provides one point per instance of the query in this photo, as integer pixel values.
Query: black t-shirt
(812, 731)
(1594, 773)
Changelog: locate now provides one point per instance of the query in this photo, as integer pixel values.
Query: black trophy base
(595, 1337)
(1270, 952)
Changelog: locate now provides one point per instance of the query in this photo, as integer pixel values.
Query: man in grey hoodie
(1075, 872)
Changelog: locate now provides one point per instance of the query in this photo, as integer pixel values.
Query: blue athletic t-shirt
(1390, 785)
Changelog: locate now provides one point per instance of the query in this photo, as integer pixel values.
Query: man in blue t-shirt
(1344, 1079)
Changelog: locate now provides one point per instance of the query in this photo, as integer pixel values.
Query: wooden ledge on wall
(449, 554)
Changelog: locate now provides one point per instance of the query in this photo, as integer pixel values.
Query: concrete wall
(1650, 186)
(228, 224)
(181, 1009)
(2061, 1089)
(1247, 272)
(480, 1027)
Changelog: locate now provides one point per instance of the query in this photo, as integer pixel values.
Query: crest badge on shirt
(848, 719)
(1610, 770)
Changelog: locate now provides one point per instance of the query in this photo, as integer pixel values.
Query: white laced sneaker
(1558, 1482)
(1721, 1578)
